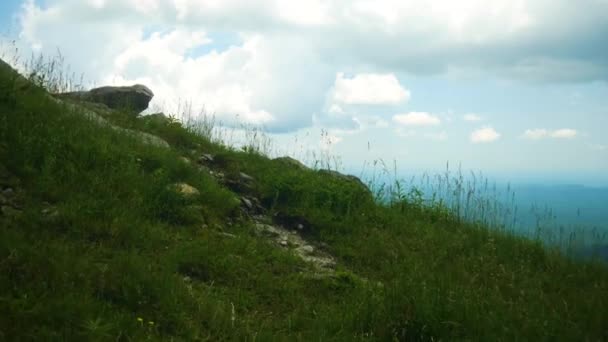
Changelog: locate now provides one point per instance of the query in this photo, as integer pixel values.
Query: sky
(516, 89)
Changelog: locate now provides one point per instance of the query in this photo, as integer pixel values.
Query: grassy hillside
(98, 244)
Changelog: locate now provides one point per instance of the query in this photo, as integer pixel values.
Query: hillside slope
(106, 236)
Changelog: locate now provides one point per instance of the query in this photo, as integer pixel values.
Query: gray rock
(245, 177)
(94, 116)
(205, 158)
(247, 203)
(133, 98)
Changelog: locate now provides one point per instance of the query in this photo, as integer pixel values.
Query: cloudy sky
(514, 88)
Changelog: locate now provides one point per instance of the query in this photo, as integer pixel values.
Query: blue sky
(517, 89)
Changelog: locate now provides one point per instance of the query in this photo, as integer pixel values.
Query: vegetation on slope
(95, 245)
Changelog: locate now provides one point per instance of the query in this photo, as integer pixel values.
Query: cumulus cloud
(471, 117)
(369, 89)
(286, 59)
(484, 135)
(565, 133)
(540, 133)
(535, 134)
(416, 119)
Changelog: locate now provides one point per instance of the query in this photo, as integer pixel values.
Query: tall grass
(128, 259)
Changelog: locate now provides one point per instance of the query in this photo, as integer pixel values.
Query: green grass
(128, 259)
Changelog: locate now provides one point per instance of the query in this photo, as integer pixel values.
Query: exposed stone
(247, 203)
(50, 212)
(245, 177)
(133, 98)
(185, 189)
(346, 178)
(300, 247)
(205, 158)
(307, 249)
(268, 229)
(228, 235)
(21, 83)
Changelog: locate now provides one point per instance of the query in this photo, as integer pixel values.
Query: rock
(247, 203)
(228, 235)
(245, 177)
(347, 178)
(306, 250)
(133, 98)
(97, 118)
(290, 162)
(205, 158)
(293, 222)
(50, 213)
(185, 160)
(284, 243)
(268, 229)
(185, 189)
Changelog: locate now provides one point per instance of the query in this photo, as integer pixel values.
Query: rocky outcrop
(93, 113)
(350, 179)
(290, 162)
(134, 99)
(291, 240)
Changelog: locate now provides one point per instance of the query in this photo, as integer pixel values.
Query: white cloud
(540, 133)
(369, 89)
(484, 135)
(416, 119)
(471, 117)
(565, 133)
(535, 134)
(288, 54)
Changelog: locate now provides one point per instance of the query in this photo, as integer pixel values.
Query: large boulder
(133, 98)
(20, 83)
